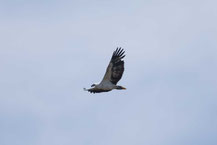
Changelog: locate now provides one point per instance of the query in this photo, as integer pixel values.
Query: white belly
(106, 85)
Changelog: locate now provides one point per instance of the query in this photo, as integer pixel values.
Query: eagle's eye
(93, 85)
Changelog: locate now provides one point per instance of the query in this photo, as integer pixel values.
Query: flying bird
(113, 74)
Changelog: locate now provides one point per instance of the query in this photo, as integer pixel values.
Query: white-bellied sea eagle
(113, 74)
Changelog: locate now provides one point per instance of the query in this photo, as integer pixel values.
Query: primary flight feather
(113, 74)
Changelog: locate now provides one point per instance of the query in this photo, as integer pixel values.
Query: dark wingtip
(119, 51)
(122, 56)
(118, 54)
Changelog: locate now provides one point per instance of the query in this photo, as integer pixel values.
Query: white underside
(105, 85)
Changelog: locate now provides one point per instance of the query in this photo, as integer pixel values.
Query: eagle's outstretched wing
(95, 90)
(115, 68)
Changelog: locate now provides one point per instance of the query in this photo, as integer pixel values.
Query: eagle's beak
(124, 88)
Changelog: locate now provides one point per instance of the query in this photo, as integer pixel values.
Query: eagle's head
(120, 88)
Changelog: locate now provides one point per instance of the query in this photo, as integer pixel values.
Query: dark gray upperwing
(115, 68)
(117, 65)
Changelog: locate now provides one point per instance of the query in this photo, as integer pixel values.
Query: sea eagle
(113, 74)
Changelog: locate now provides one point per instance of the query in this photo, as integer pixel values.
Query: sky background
(50, 50)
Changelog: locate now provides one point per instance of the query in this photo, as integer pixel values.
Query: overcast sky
(50, 50)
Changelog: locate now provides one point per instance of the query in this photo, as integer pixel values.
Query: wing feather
(95, 90)
(115, 68)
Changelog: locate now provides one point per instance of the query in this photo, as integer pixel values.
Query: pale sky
(50, 50)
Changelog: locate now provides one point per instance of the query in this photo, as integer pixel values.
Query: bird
(113, 74)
